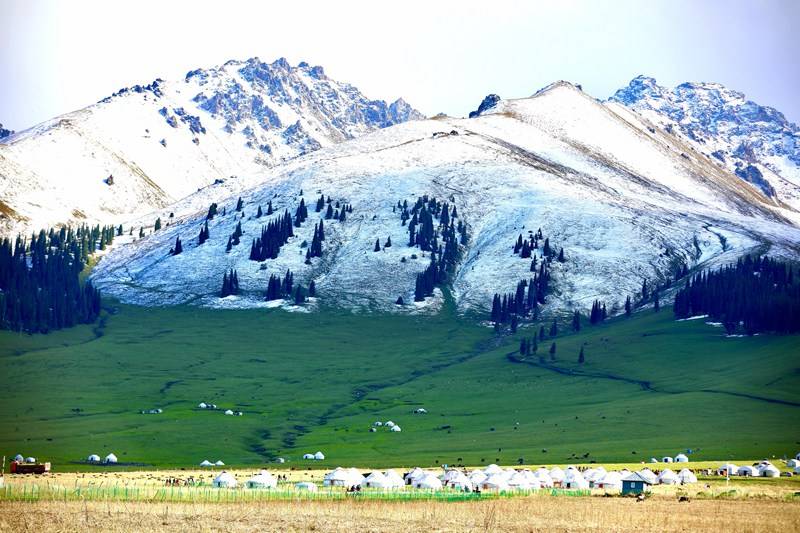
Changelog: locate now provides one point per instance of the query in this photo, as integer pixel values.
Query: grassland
(309, 382)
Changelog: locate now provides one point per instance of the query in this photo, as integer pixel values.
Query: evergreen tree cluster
(300, 214)
(339, 212)
(428, 221)
(528, 346)
(273, 236)
(524, 301)
(598, 313)
(40, 287)
(525, 247)
(757, 294)
(230, 284)
(315, 250)
(204, 234)
(279, 288)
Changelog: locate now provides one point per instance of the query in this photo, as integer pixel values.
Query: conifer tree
(212, 211)
(581, 358)
(377, 246)
(269, 208)
(259, 213)
(400, 301)
(157, 224)
(388, 243)
(656, 303)
(554, 329)
(576, 321)
(312, 289)
(553, 352)
(239, 204)
(561, 256)
(178, 246)
(628, 306)
(229, 245)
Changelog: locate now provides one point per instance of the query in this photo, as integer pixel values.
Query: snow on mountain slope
(625, 201)
(755, 142)
(164, 141)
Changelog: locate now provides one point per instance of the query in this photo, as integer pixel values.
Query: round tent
(377, 423)
(477, 477)
(389, 424)
(206, 462)
(219, 463)
(306, 485)
(262, 480)
(792, 463)
(19, 458)
(653, 460)
(319, 456)
(394, 478)
(747, 471)
(574, 480)
(202, 405)
(30, 459)
(681, 458)
(94, 458)
(414, 474)
(495, 482)
(556, 474)
(649, 476)
(224, 481)
(666, 459)
(769, 471)
(308, 456)
(110, 458)
(280, 460)
(492, 469)
(686, 476)
(610, 481)
(395, 429)
(229, 412)
(668, 477)
(728, 469)
(376, 480)
(427, 482)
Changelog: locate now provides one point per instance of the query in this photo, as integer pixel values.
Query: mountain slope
(626, 201)
(755, 142)
(160, 142)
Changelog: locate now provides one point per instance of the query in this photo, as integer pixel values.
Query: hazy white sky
(57, 56)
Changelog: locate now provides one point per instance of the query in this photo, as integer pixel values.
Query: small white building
(224, 481)
(94, 458)
(206, 462)
(110, 459)
(396, 429)
(306, 486)
(219, 463)
(309, 456)
(728, 469)
(319, 456)
(666, 459)
(229, 412)
(428, 482)
(686, 476)
(681, 458)
(262, 480)
(747, 471)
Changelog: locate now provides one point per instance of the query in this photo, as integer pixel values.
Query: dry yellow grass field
(520, 514)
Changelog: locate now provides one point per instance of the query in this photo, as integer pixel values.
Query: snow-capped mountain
(627, 201)
(147, 146)
(755, 142)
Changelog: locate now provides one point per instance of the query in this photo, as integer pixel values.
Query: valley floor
(650, 387)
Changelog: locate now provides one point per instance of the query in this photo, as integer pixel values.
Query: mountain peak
(487, 103)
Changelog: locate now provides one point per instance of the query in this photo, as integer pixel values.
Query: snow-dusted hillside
(626, 200)
(753, 141)
(163, 141)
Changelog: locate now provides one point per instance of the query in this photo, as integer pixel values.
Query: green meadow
(650, 386)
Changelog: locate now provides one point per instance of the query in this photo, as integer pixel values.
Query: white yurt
(452, 475)
(306, 485)
(556, 474)
(30, 459)
(421, 411)
(574, 480)
(338, 477)
(666, 459)
(377, 423)
(395, 428)
(19, 458)
(319, 456)
(229, 412)
(769, 471)
(308, 456)
(518, 481)
(492, 469)
(653, 460)
(224, 481)
(262, 480)
(202, 405)
(389, 424)
(414, 474)
(797, 470)
(428, 482)
(94, 458)
(590, 474)
(681, 458)
(609, 481)
(792, 463)
(206, 462)
(280, 460)
(495, 482)
(728, 469)
(477, 477)
(376, 480)
(110, 459)
(394, 478)
(668, 477)
(686, 476)
(544, 479)
(219, 463)
(648, 474)
(747, 471)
